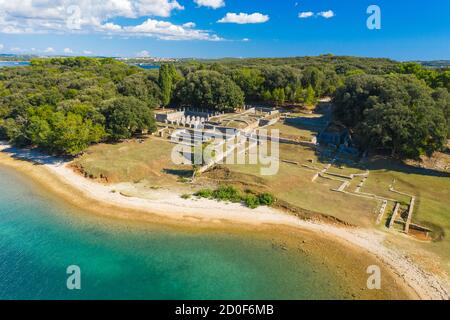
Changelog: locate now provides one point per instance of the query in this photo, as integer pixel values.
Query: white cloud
(68, 50)
(87, 52)
(326, 14)
(304, 15)
(189, 25)
(143, 54)
(168, 31)
(94, 16)
(246, 40)
(111, 27)
(49, 50)
(160, 8)
(215, 4)
(244, 18)
(1, 46)
(87, 11)
(16, 49)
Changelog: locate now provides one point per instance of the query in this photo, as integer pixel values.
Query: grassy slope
(291, 130)
(432, 189)
(293, 184)
(150, 161)
(132, 162)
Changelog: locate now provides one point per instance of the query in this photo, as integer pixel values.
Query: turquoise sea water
(14, 63)
(40, 237)
(148, 66)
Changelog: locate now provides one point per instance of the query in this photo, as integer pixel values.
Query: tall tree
(167, 77)
(279, 96)
(250, 81)
(442, 98)
(309, 96)
(60, 132)
(314, 77)
(210, 90)
(392, 112)
(127, 116)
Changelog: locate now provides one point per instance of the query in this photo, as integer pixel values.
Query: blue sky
(190, 28)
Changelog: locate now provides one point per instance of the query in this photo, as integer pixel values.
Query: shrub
(252, 201)
(266, 199)
(183, 180)
(227, 193)
(204, 193)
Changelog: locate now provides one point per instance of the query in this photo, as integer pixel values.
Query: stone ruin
(190, 118)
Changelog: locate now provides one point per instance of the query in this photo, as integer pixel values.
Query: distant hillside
(441, 64)
(14, 57)
(340, 64)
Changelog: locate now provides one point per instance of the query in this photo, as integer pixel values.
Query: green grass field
(293, 184)
(432, 189)
(134, 162)
(288, 130)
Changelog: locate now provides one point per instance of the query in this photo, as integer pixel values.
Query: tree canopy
(392, 112)
(59, 103)
(66, 104)
(127, 116)
(168, 77)
(210, 90)
(433, 77)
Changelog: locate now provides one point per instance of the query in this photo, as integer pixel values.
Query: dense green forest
(66, 104)
(394, 112)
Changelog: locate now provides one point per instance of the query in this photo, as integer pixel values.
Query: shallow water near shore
(41, 237)
(10, 64)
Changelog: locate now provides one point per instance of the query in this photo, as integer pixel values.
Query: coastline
(168, 207)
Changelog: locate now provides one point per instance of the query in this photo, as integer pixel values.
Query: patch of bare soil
(439, 161)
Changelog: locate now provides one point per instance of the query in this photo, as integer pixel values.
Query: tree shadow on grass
(181, 173)
(313, 124)
(377, 163)
(386, 163)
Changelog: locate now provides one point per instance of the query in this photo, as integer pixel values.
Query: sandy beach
(61, 179)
